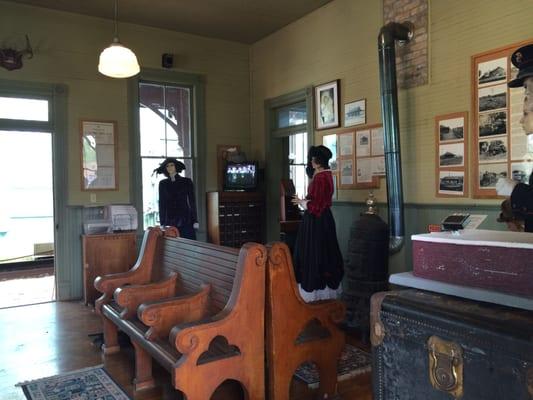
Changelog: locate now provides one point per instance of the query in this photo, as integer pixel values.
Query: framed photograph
(493, 123)
(452, 183)
(451, 129)
(327, 105)
(330, 141)
(451, 138)
(492, 150)
(98, 155)
(490, 173)
(355, 113)
(452, 155)
(493, 98)
(491, 72)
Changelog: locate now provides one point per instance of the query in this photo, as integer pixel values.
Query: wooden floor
(52, 338)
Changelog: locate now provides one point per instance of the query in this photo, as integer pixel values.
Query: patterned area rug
(85, 384)
(353, 362)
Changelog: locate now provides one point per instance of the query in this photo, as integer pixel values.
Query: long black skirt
(317, 258)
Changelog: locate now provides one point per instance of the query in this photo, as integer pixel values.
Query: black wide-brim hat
(162, 169)
(522, 59)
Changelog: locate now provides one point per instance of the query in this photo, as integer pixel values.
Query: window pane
(299, 178)
(152, 125)
(298, 148)
(26, 205)
(179, 127)
(24, 109)
(294, 114)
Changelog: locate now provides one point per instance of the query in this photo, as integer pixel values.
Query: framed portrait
(355, 113)
(327, 105)
(98, 155)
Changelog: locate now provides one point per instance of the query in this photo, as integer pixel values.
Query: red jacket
(320, 192)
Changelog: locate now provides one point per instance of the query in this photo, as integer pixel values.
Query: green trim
(274, 149)
(198, 129)
(67, 259)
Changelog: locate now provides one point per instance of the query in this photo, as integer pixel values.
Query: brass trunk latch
(446, 366)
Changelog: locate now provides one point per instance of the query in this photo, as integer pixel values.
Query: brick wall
(411, 58)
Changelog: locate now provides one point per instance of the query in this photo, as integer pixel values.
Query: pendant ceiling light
(117, 61)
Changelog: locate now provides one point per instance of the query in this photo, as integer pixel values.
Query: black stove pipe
(389, 113)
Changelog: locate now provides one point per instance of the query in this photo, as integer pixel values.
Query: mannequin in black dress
(177, 205)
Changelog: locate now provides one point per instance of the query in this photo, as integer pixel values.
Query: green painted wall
(339, 41)
(66, 49)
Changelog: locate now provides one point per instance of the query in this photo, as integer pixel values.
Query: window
(291, 115)
(298, 161)
(165, 131)
(24, 109)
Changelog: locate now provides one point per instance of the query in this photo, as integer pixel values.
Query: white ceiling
(245, 21)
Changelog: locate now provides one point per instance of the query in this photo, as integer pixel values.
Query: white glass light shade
(118, 61)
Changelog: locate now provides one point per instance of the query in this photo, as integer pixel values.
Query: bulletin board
(358, 158)
(500, 147)
(98, 155)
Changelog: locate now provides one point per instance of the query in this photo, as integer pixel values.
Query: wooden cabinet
(105, 254)
(234, 218)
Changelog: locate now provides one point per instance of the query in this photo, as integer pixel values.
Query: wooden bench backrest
(197, 263)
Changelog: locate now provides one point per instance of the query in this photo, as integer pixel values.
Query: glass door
(26, 205)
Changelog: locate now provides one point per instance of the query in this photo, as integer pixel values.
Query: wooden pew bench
(297, 331)
(196, 308)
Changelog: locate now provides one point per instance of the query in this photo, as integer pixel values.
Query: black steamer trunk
(428, 346)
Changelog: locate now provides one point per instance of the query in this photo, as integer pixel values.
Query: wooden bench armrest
(130, 297)
(162, 315)
(139, 274)
(244, 312)
(188, 336)
(107, 284)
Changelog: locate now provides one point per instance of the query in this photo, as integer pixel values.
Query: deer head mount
(11, 59)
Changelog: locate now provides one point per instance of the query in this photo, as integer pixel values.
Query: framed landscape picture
(355, 113)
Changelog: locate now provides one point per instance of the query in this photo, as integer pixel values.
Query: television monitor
(240, 176)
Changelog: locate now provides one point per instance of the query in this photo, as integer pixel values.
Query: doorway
(27, 273)
(289, 135)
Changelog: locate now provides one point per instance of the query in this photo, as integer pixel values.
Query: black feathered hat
(162, 169)
(522, 59)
